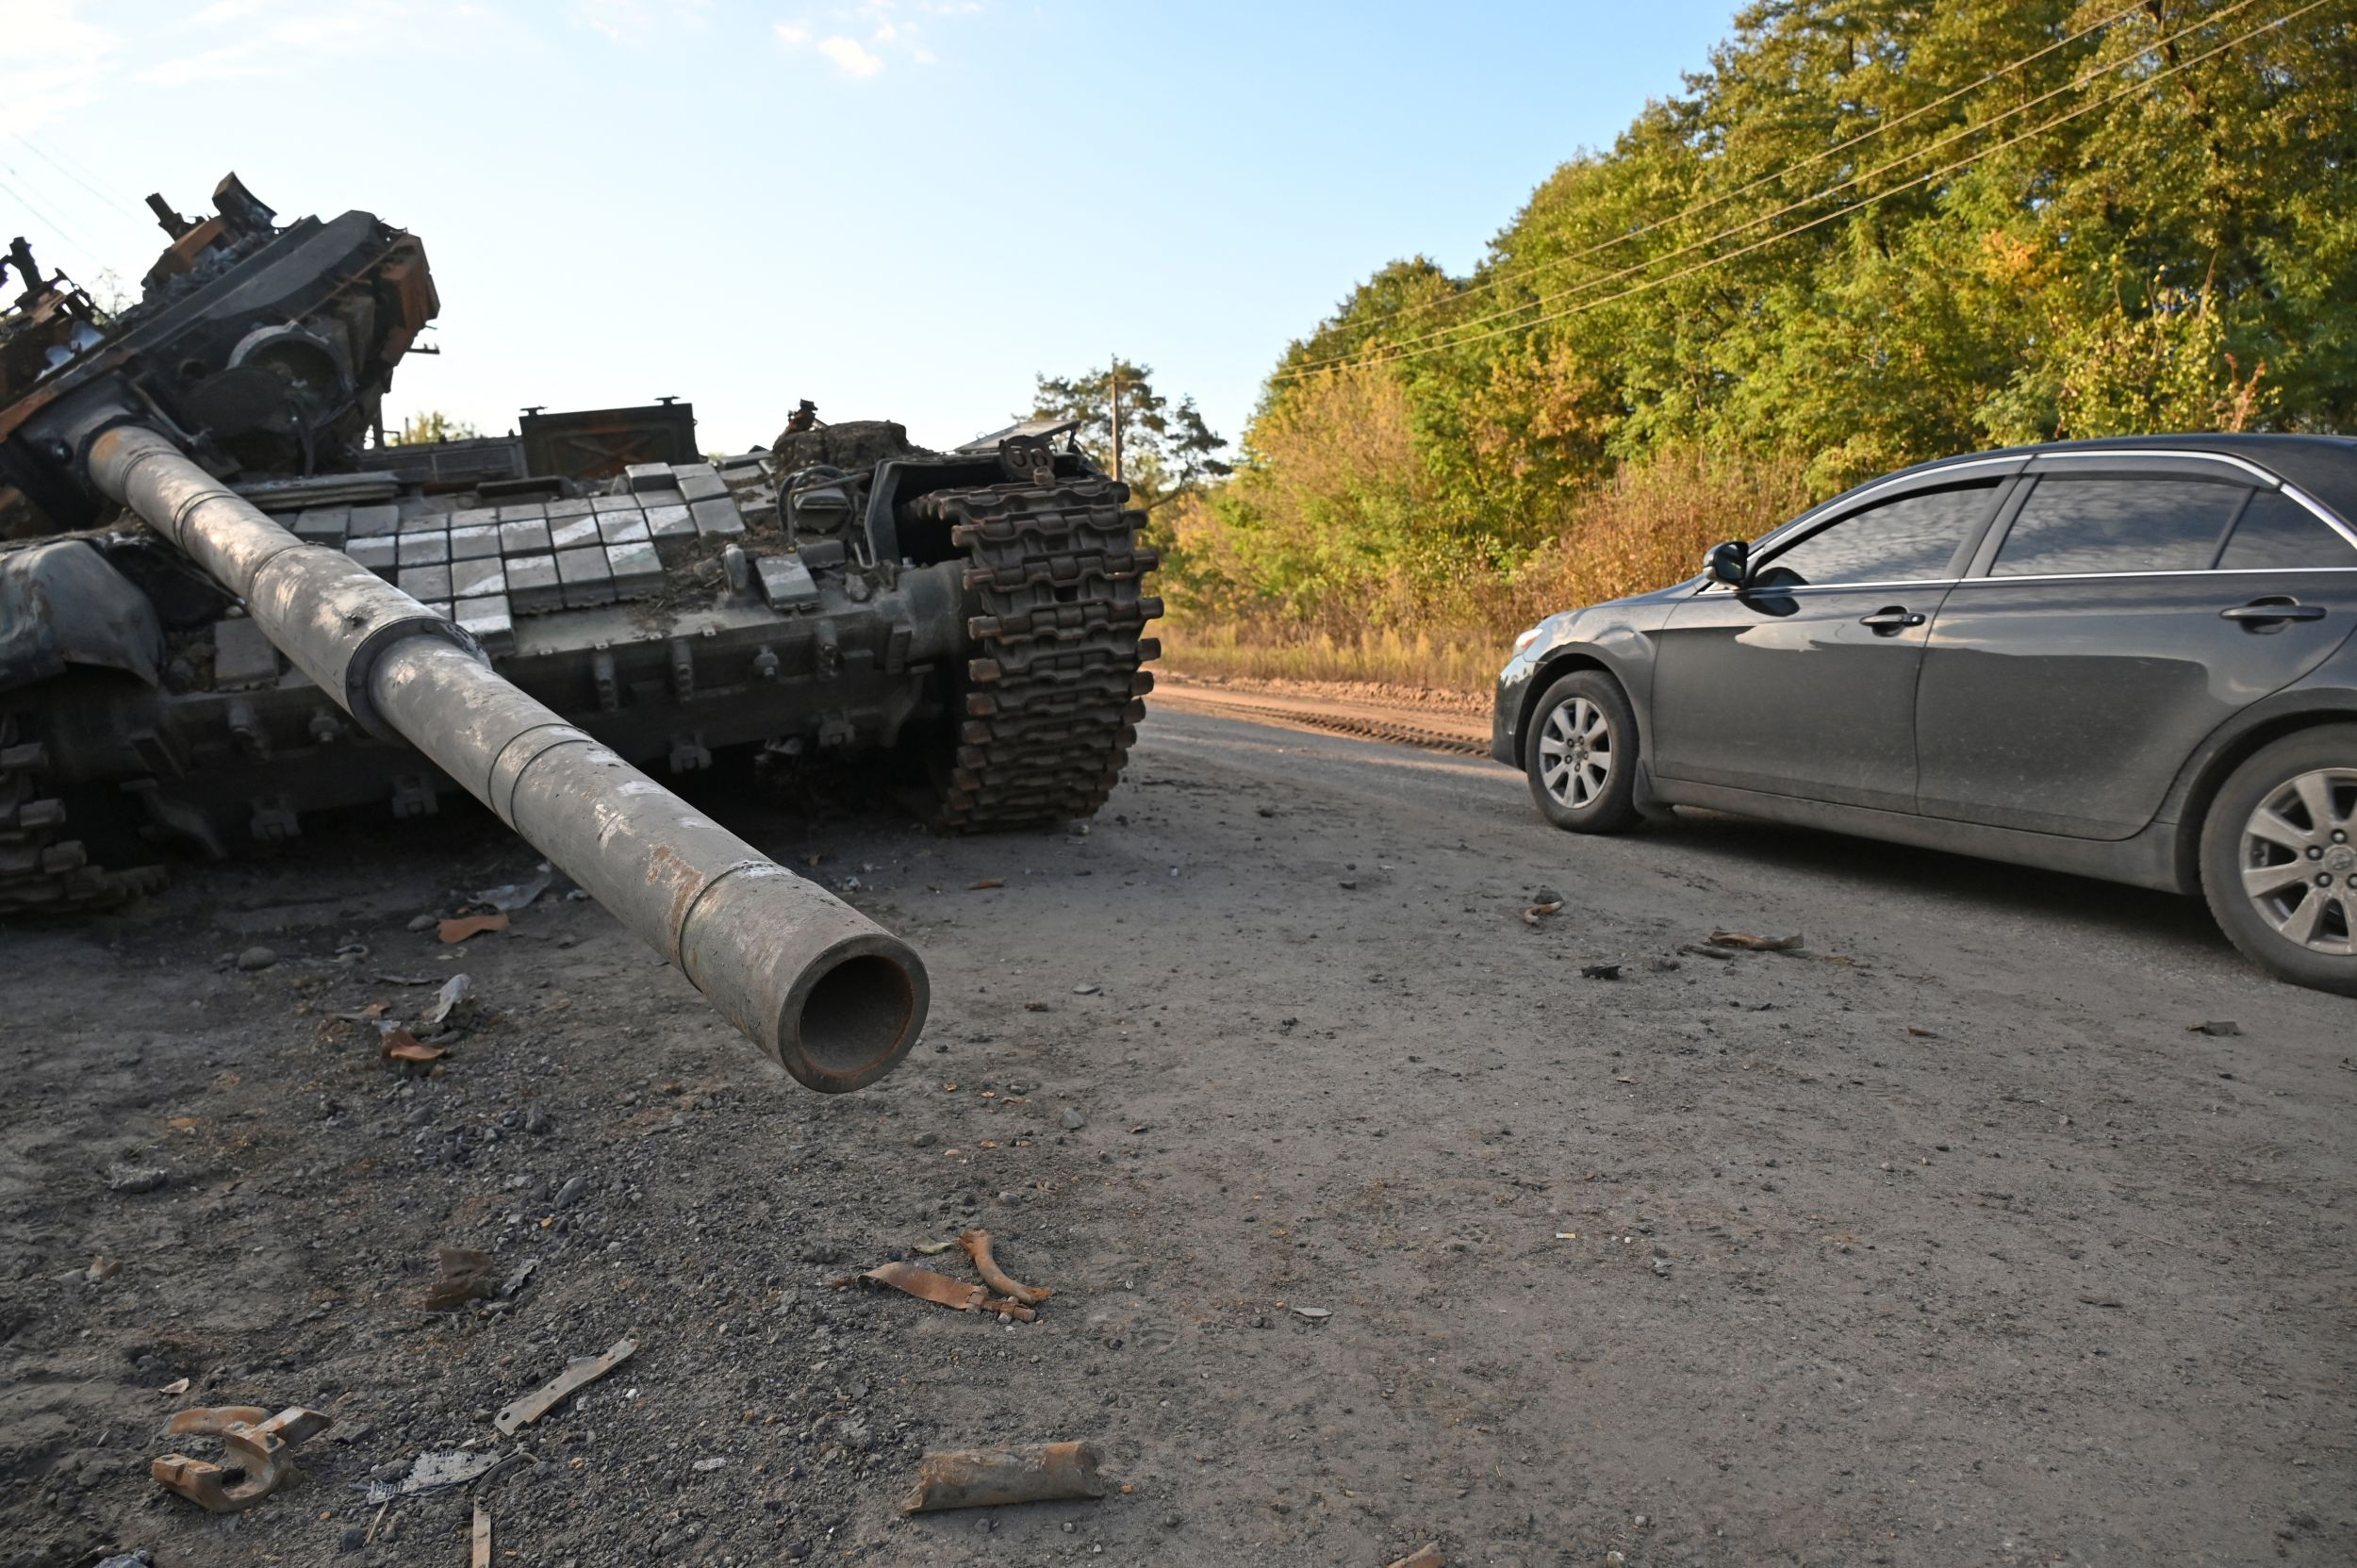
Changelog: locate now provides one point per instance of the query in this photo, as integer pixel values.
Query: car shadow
(1992, 885)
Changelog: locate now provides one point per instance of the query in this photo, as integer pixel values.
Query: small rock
(1600, 971)
(136, 1178)
(1349, 885)
(1547, 896)
(139, 1559)
(2222, 1027)
(391, 1470)
(424, 922)
(920, 1140)
(571, 1192)
(710, 1464)
(1313, 1314)
(1170, 1521)
(353, 1538)
(256, 958)
(1072, 1119)
(536, 1117)
(1084, 990)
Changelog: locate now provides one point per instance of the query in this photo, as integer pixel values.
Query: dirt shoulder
(1942, 1240)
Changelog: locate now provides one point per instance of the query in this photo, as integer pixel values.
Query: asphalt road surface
(1945, 1239)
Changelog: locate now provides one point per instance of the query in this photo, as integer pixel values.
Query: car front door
(2124, 612)
(1802, 683)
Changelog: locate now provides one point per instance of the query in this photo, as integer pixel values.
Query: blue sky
(899, 208)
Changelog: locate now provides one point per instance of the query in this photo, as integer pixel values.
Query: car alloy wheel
(1575, 753)
(2298, 860)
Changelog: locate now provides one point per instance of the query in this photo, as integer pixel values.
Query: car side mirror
(1729, 563)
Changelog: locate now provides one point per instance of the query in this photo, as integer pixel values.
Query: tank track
(1052, 695)
(41, 871)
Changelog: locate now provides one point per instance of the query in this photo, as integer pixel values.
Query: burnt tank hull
(979, 613)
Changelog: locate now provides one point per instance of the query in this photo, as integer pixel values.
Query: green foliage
(1166, 448)
(1872, 232)
(432, 425)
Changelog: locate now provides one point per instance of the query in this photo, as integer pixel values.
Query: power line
(41, 217)
(1437, 333)
(115, 202)
(1504, 275)
(1582, 308)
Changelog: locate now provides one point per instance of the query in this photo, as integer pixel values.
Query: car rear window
(1910, 539)
(2075, 527)
(2277, 534)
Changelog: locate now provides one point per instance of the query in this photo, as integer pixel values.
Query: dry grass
(1275, 652)
(1646, 528)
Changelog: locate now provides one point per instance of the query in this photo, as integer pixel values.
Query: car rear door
(1803, 683)
(2124, 609)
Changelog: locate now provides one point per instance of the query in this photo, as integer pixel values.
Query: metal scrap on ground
(940, 1289)
(1426, 1556)
(1749, 943)
(260, 1454)
(579, 1373)
(464, 926)
(465, 1275)
(977, 1244)
(992, 1478)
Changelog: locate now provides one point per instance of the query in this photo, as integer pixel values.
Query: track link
(41, 870)
(1051, 698)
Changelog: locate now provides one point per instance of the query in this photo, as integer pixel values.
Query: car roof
(2324, 465)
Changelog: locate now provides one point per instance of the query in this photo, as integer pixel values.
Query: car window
(2075, 527)
(1910, 539)
(2276, 533)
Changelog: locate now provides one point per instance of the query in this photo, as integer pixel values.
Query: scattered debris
(931, 1249)
(438, 1471)
(465, 1275)
(511, 896)
(368, 1014)
(1426, 1556)
(399, 1045)
(2225, 1029)
(977, 1244)
(2099, 1301)
(1749, 943)
(1922, 1033)
(1084, 990)
(577, 1374)
(102, 1267)
(174, 1388)
(255, 959)
(464, 926)
(1035, 1007)
(141, 1559)
(260, 1454)
(1701, 951)
(454, 990)
(1538, 912)
(983, 885)
(136, 1178)
(993, 1477)
(1600, 971)
(481, 1554)
(425, 922)
(707, 1466)
(940, 1289)
(402, 980)
(1313, 1314)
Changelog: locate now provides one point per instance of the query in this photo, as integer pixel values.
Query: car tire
(2279, 858)
(1580, 754)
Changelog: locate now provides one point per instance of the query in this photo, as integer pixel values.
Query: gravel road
(1944, 1240)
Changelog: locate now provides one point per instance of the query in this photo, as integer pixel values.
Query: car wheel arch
(1557, 664)
(2210, 771)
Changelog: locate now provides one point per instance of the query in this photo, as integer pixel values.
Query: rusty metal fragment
(465, 1275)
(940, 1289)
(977, 1244)
(399, 1045)
(1426, 1556)
(1750, 943)
(260, 1454)
(579, 1373)
(992, 1478)
(464, 926)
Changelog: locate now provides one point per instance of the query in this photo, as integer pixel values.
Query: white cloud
(626, 21)
(53, 60)
(851, 59)
(791, 36)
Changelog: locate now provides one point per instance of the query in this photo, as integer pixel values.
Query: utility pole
(1114, 377)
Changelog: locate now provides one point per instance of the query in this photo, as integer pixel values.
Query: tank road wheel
(1047, 705)
(2279, 858)
(43, 871)
(1581, 755)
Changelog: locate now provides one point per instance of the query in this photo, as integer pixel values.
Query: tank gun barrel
(836, 1000)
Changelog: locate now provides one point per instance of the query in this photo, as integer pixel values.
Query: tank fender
(61, 604)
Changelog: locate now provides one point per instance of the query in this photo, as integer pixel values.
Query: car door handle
(2262, 613)
(1898, 617)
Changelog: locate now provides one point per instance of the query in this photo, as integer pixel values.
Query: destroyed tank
(977, 612)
